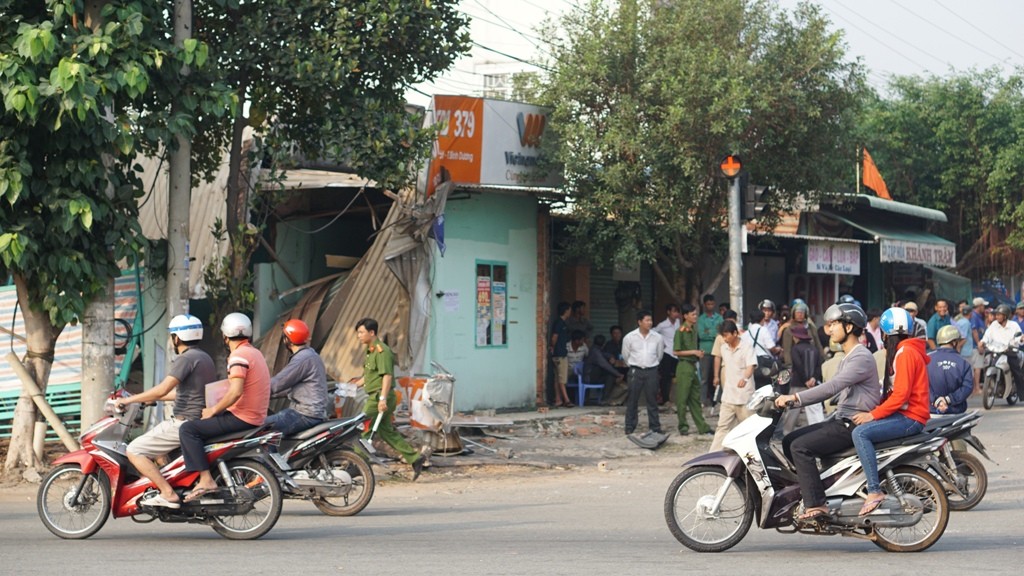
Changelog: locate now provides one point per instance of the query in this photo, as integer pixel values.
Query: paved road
(581, 521)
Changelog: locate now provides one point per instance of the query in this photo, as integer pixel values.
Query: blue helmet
(796, 302)
(897, 321)
(847, 299)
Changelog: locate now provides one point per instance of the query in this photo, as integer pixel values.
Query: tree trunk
(41, 338)
(97, 354)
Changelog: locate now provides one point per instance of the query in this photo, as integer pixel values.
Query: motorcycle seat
(940, 421)
(905, 441)
(240, 435)
(325, 425)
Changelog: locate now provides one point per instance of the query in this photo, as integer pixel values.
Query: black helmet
(1004, 310)
(846, 299)
(847, 314)
(766, 303)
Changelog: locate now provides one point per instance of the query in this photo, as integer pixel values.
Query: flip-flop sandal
(812, 514)
(871, 503)
(197, 494)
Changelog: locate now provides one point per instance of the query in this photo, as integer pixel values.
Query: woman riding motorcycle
(905, 408)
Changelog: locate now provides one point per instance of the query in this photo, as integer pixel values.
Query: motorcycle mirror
(784, 377)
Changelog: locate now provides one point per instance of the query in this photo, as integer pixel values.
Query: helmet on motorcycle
(947, 335)
(236, 325)
(186, 327)
(847, 314)
(296, 331)
(766, 303)
(846, 299)
(896, 321)
(1003, 309)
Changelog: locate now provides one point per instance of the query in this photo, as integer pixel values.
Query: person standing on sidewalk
(642, 350)
(738, 363)
(558, 348)
(667, 329)
(707, 332)
(378, 378)
(687, 383)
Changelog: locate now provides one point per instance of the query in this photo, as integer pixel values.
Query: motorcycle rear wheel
(361, 489)
(933, 522)
(988, 392)
(266, 510)
(690, 520)
(78, 521)
(976, 481)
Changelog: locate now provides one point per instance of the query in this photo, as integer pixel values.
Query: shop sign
(939, 255)
(828, 258)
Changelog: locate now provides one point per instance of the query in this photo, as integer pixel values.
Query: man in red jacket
(905, 407)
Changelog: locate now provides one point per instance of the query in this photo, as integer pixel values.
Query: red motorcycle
(77, 496)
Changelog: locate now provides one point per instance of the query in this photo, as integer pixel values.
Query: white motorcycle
(999, 378)
(711, 504)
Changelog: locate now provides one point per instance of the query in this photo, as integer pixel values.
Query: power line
(876, 39)
(950, 34)
(986, 34)
(504, 24)
(516, 58)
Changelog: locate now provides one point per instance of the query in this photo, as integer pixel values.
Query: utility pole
(179, 197)
(731, 167)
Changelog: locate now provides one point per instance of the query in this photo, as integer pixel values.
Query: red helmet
(296, 331)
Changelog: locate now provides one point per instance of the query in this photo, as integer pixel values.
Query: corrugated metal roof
(370, 290)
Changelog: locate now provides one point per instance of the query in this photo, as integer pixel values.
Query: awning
(907, 246)
(950, 286)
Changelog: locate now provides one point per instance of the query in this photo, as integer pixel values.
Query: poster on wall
(483, 309)
(498, 306)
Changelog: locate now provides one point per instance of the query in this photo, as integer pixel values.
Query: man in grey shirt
(304, 379)
(185, 383)
(858, 387)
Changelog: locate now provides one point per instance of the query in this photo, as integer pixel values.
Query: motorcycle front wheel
(690, 513)
(973, 480)
(65, 516)
(266, 507)
(356, 483)
(933, 521)
(988, 392)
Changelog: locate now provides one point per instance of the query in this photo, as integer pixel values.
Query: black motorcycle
(961, 473)
(320, 464)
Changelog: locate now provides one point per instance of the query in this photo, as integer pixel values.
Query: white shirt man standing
(667, 329)
(738, 363)
(642, 350)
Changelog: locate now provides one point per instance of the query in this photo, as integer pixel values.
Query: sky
(901, 37)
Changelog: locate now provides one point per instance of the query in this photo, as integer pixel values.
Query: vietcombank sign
(486, 142)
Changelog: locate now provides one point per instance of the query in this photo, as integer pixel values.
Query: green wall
(491, 228)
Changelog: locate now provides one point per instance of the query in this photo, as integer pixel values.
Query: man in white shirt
(642, 350)
(1001, 335)
(667, 329)
(738, 363)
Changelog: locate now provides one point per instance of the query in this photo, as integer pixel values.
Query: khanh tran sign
(828, 258)
(940, 255)
(490, 143)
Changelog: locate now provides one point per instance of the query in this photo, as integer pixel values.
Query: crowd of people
(884, 372)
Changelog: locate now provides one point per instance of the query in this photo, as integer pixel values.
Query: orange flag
(873, 178)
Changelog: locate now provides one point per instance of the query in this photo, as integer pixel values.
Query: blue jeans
(866, 435)
(289, 422)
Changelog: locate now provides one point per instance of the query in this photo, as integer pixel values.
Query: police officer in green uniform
(378, 380)
(687, 384)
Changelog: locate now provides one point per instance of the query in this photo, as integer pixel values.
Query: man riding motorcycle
(857, 383)
(1001, 335)
(304, 379)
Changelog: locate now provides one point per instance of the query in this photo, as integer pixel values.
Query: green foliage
(322, 79)
(78, 105)
(647, 98)
(957, 144)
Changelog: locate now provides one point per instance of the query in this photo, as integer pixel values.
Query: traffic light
(753, 199)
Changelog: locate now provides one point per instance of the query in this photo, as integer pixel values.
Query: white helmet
(236, 325)
(186, 327)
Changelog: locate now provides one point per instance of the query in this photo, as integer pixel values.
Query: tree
(956, 144)
(648, 96)
(322, 79)
(79, 105)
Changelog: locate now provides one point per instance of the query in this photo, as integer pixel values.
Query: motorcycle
(711, 504)
(319, 465)
(962, 474)
(998, 378)
(88, 485)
